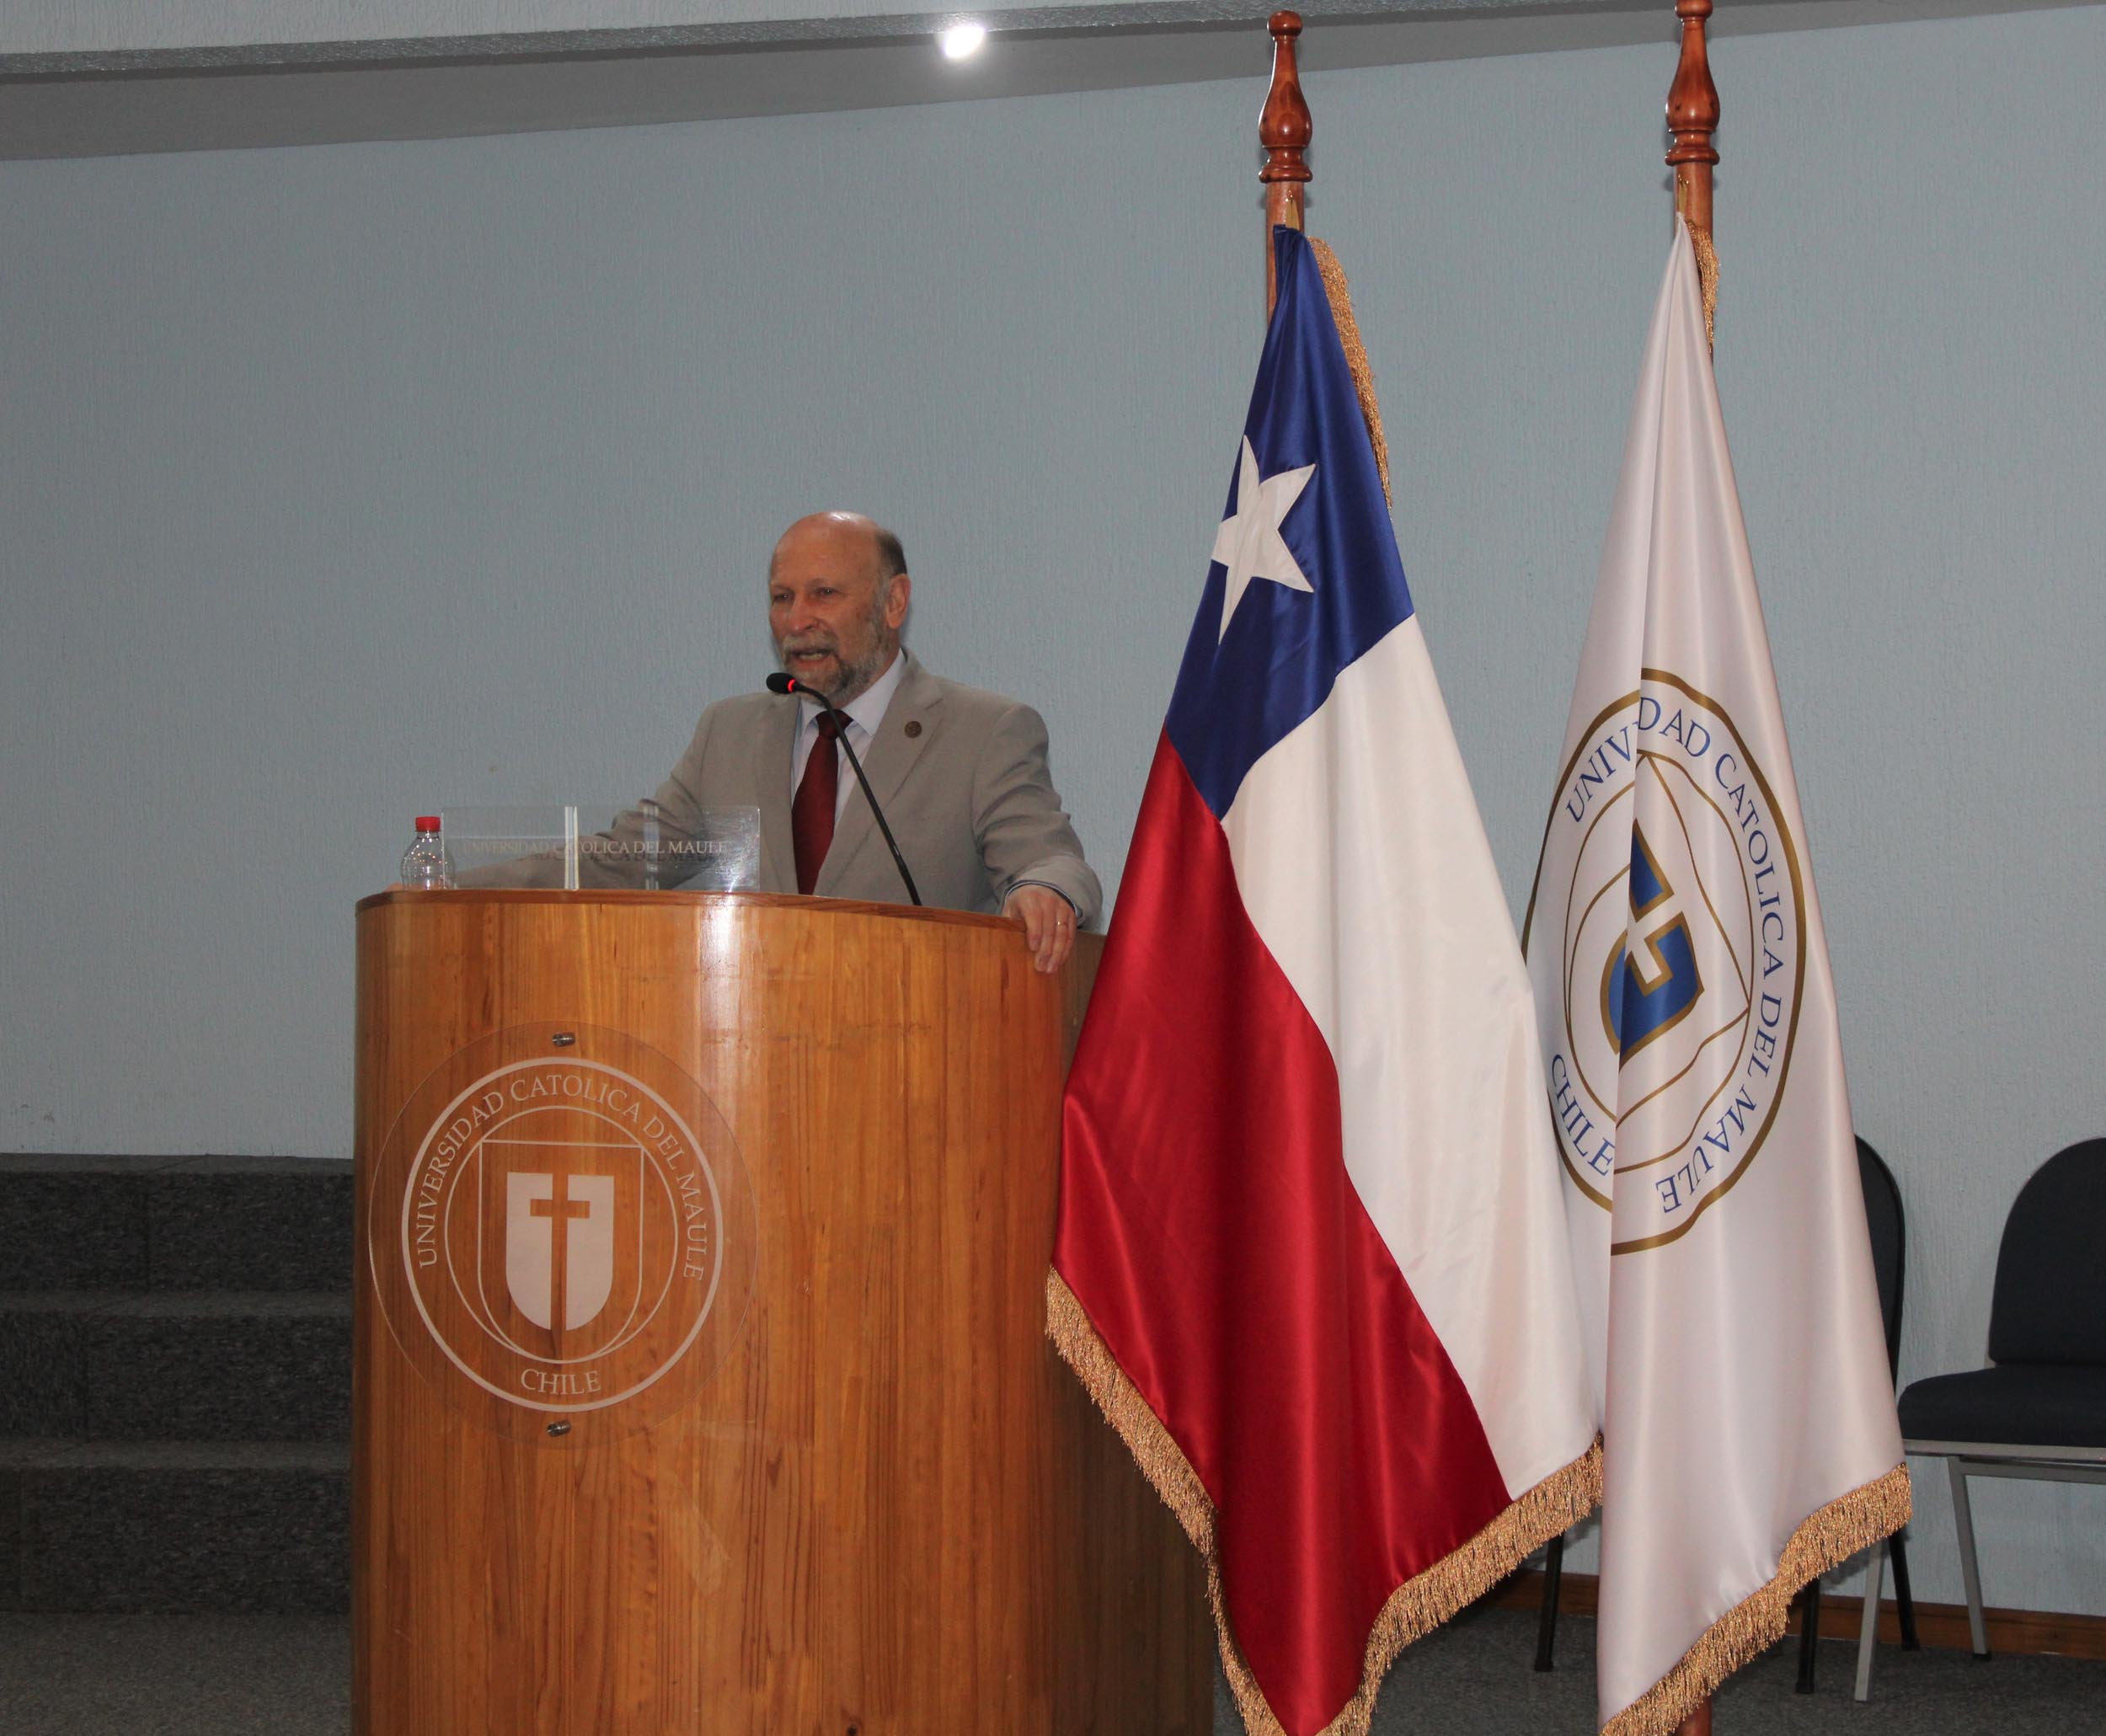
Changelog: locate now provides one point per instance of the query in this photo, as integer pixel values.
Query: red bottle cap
(427, 822)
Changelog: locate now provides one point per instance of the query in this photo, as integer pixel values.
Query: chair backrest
(1884, 1219)
(2049, 1303)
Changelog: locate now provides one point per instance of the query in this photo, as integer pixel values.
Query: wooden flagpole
(1692, 116)
(1285, 128)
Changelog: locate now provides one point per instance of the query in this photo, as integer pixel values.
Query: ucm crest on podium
(702, 1382)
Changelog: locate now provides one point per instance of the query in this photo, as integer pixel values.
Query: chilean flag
(1311, 1256)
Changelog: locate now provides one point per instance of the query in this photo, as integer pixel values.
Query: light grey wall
(341, 483)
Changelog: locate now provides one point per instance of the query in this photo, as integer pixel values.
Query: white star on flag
(1248, 542)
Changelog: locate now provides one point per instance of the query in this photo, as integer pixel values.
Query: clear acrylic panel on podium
(574, 848)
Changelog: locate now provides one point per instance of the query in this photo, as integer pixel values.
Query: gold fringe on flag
(1416, 1607)
(1707, 280)
(1341, 300)
(1829, 1537)
(1161, 1459)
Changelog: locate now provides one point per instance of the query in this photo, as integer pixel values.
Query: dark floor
(248, 1676)
(175, 1676)
(1474, 1675)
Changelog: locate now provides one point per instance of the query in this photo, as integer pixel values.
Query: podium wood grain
(889, 1508)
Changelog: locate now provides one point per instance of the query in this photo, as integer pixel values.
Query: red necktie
(812, 812)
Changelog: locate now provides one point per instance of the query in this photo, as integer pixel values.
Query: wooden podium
(702, 1385)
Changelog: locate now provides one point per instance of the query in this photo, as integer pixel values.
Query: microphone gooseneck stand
(782, 683)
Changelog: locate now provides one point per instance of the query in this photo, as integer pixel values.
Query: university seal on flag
(563, 1231)
(1674, 885)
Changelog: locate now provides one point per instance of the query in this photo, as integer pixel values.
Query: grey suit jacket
(960, 773)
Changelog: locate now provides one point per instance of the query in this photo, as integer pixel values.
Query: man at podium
(961, 774)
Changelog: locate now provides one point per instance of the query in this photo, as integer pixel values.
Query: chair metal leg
(1903, 1598)
(1547, 1622)
(1964, 1521)
(1808, 1634)
(1869, 1624)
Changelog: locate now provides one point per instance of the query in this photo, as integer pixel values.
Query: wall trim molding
(2022, 1632)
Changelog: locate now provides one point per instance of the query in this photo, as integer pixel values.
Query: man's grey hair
(891, 555)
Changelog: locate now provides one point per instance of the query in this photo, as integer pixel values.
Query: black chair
(2040, 1411)
(1887, 1227)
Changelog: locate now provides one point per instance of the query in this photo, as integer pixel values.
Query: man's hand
(1048, 924)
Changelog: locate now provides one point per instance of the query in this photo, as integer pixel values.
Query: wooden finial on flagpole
(1692, 116)
(1285, 128)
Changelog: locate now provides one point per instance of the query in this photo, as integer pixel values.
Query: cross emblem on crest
(558, 1245)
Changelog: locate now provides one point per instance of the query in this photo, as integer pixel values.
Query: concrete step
(175, 1366)
(154, 1527)
(175, 1223)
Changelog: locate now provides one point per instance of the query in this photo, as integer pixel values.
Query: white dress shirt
(864, 714)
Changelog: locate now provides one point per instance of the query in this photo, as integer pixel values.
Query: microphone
(780, 682)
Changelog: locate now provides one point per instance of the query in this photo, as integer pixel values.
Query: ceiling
(121, 77)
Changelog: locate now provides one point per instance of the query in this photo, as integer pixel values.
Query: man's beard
(855, 678)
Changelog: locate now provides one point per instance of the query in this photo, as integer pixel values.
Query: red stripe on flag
(1209, 1228)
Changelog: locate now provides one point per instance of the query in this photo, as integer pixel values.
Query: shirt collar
(866, 710)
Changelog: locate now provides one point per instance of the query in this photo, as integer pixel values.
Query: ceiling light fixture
(960, 41)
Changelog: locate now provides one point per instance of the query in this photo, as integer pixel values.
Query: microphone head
(781, 683)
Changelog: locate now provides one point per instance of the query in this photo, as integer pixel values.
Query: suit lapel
(771, 743)
(893, 752)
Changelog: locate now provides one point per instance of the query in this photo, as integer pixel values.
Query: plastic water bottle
(423, 864)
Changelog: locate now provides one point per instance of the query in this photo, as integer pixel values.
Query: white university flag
(1695, 1070)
